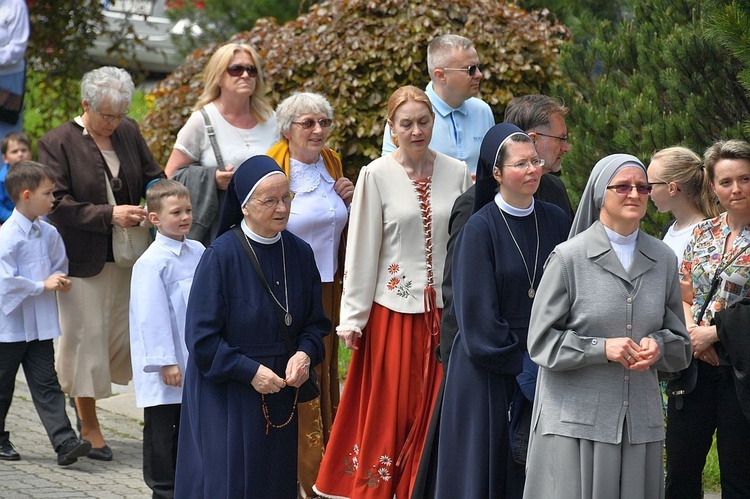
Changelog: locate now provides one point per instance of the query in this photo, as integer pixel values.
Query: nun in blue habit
(238, 431)
(497, 266)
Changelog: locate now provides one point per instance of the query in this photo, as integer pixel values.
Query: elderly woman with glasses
(234, 103)
(608, 315)
(103, 166)
(497, 266)
(253, 331)
(318, 214)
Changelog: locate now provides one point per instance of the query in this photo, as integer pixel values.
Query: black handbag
(310, 389)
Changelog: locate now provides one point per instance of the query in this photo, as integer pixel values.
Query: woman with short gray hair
(103, 166)
(318, 214)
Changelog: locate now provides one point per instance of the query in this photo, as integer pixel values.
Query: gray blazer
(585, 297)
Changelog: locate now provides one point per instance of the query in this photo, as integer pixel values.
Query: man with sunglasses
(461, 118)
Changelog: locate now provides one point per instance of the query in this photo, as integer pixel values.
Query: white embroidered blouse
(387, 254)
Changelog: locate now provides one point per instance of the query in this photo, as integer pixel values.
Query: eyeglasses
(238, 69)
(472, 70)
(658, 183)
(274, 202)
(564, 138)
(625, 189)
(111, 118)
(536, 163)
(310, 123)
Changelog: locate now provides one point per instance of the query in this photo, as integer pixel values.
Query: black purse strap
(290, 346)
(212, 138)
(715, 283)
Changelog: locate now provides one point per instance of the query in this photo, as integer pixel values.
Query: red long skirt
(385, 410)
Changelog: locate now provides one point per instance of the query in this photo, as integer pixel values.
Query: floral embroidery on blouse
(704, 255)
(400, 284)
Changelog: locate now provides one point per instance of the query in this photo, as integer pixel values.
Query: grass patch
(711, 480)
(345, 356)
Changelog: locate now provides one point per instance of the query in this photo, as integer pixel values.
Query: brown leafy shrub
(357, 52)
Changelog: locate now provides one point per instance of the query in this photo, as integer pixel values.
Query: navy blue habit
(493, 309)
(231, 328)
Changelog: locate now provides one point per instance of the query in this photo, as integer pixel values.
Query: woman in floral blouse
(713, 404)
(390, 310)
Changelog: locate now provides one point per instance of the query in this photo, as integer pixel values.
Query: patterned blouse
(704, 255)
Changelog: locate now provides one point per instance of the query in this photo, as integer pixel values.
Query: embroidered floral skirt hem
(316, 416)
(385, 409)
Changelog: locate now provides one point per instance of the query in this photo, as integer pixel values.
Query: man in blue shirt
(461, 118)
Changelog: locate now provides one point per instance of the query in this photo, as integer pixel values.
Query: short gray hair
(298, 104)
(108, 85)
(442, 47)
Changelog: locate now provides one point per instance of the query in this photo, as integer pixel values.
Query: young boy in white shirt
(159, 290)
(33, 265)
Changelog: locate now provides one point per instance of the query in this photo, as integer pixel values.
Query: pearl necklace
(531, 292)
(287, 316)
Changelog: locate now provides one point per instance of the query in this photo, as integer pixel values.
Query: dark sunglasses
(625, 189)
(309, 123)
(238, 69)
(472, 70)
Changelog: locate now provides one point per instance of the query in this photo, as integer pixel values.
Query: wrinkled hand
(345, 189)
(127, 215)
(702, 338)
(649, 354)
(622, 350)
(171, 375)
(57, 282)
(266, 381)
(350, 338)
(223, 177)
(297, 369)
(686, 287)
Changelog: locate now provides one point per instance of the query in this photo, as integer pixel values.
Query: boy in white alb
(159, 290)
(33, 265)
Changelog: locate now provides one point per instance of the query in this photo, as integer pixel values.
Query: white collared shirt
(159, 290)
(29, 254)
(317, 215)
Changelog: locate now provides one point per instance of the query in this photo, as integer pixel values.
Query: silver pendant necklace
(531, 292)
(287, 315)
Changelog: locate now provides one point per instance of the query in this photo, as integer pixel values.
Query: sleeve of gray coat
(550, 343)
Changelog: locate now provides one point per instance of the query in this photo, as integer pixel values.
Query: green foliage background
(652, 81)
(358, 52)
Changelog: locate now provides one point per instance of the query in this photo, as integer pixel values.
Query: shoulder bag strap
(715, 284)
(256, 265)
(212, 138)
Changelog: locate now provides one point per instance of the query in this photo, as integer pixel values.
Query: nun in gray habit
(607, 315)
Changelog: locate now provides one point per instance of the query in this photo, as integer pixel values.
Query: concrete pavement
(37, 474)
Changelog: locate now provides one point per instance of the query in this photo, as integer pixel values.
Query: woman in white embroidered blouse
(318, 214)
(390, 309)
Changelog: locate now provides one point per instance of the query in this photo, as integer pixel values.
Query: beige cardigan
(386, 258)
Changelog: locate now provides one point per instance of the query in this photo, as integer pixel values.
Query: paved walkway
(37, 474)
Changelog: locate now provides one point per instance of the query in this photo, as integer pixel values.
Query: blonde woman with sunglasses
(234, 100)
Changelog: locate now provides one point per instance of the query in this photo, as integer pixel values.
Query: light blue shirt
(29, 254)
(458, 132)
(159, 290)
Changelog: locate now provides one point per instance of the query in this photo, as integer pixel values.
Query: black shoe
(8, 453)
(71, 450)
(101, 453)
